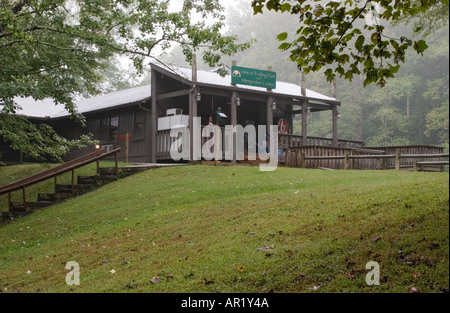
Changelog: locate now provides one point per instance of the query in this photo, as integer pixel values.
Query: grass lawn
(236, 229)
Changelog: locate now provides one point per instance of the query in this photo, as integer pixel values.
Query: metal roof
(282, 88)
(47, 109)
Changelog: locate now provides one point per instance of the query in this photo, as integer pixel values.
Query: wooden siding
(139, 147)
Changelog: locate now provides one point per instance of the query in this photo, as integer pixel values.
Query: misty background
(413, 108)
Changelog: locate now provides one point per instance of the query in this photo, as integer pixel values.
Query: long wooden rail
(56, 171)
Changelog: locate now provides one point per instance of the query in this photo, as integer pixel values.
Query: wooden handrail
(56, 171)
(388, 156)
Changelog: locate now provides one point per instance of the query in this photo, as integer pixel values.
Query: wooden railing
(297, 141)
(285, 143)
(340, 158)
(57, 171)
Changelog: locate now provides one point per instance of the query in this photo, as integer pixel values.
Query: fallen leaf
(208, 282)
(240, 269)
(376, 239)
(155, 280)
(263, 248)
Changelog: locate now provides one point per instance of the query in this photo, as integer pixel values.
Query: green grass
(198, 229)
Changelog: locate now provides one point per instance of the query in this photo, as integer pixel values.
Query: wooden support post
(333, 89)
(234, 63)
(415, 166)
(9, 201)
(346, 164)
(234, 98)
(116, 160)
(303, 84)
(127, 145)
(24, 198)
(154, 117)
(335, 126)
(98, 167)
(73, 182)
(269, 107)
(302, 159)
(193, 108)
(304, 122)
(269, 68)
(397, 160)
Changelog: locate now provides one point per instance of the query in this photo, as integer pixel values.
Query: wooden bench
(420, 165)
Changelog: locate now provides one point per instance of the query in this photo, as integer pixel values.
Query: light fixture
(198, 97)
(97, 147)
(338, 114)
(274, 105)
(238, 101)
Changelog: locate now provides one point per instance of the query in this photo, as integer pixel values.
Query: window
(108, 127)
(138, 128)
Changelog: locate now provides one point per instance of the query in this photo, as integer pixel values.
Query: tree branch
(350, 24)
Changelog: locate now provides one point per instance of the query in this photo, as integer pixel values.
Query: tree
(59, 48)
(392, 127)
(437, 122)
(342, 35)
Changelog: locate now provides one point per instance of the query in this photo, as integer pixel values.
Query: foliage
(39, 142)
(392, 128)
(437, 122)
(348, 38)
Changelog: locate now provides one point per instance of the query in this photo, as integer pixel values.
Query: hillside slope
(235, 229)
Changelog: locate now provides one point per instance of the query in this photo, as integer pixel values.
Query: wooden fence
(411, 150)
(363, 159)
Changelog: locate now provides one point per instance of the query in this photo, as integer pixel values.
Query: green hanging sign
(253, 77)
